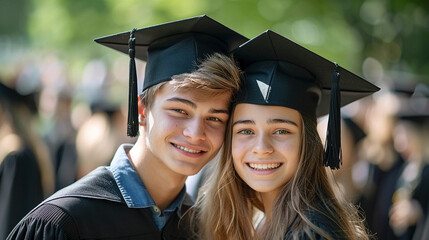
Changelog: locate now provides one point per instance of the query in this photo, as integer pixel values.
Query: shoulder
(323, 221)
(89, 208)
(98, 184)
(46, 222)
(91, 197)
(80, 218)
(19, 159)
(327, 224)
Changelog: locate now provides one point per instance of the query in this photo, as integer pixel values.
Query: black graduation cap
(7, 93)
(171, 48)
(415, 108)
(280, 72)
(11, 95)
(357, 132)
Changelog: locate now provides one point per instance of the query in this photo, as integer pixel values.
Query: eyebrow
(193, 105)
(270, 121)
(243, 122)
(280, 120)
(184, 101)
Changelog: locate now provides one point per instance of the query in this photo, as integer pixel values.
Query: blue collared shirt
(134, 191)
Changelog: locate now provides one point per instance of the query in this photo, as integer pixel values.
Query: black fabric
(421, 194)
(323, 222)
(175, 47)
(20, 188)
(377, 198)
(279, 72)
(93, 208)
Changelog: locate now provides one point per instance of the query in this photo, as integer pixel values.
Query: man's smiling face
(185, 129)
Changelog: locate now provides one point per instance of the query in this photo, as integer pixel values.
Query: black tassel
(132, 126)
(332, 156)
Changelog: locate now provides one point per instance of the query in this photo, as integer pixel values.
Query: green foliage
(392, 32)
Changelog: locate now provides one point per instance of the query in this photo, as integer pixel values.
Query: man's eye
(179, 111)
(246, 132)
(214, 119)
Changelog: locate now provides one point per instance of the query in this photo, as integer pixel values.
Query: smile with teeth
(186, 149)
(264, 166)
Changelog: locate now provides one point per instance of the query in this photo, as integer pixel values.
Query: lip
(263, 171)
(189, 154)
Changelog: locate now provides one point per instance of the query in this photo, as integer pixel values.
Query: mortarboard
(357, 132)
(171, 48)
(415, 108)
(8, 94)
(280, 72)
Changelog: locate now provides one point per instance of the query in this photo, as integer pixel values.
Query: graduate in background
(351, 136)
(410, 199)
(26, 171)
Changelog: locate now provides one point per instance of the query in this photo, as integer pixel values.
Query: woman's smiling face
(266, 145)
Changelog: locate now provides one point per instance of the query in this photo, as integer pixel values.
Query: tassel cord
(132, 125)
(333, 154)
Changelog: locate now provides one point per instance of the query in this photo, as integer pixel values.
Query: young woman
(270, 182)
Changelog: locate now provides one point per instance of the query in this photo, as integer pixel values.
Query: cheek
(238, 149)
(216, 136)
(291, 150)
(169, 123)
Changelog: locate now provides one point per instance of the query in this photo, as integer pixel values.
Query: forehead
(254, 112)
(215, 98)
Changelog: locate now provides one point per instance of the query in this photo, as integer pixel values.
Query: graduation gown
(323, 222)
(20, 188)
(93, 208)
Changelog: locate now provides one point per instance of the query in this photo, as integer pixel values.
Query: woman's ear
(142, 114)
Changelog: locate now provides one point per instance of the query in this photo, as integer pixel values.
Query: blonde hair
(226, 205)
(217, 74)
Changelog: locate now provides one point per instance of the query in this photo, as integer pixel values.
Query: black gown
(321, 221)
(376, 200)
(421, 195)
(93, 208)
(20, 188)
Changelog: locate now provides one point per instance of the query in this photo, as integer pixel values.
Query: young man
(183, 112)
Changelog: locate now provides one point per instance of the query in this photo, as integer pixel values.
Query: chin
(187, 170)
(261, 188)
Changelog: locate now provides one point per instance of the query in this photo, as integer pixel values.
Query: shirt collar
(132, 187)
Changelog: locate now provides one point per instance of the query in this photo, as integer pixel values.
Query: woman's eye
(281, 131)
(246, 132)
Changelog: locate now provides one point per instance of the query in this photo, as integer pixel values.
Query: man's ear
(142, 113)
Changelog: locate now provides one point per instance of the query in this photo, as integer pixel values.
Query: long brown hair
(226, 205)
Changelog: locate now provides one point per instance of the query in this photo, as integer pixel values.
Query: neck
(162, 183)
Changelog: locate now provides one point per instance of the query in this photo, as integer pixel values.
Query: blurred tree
(391, 32)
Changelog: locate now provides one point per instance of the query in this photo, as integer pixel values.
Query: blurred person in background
(383, 162)
(60, 135)
(99, 136)
(26, 171)
(55, 107)
(351, 136)
(411, 196)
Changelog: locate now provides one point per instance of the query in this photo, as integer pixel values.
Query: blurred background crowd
(63, 97)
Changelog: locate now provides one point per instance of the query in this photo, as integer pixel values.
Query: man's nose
(195, 129)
